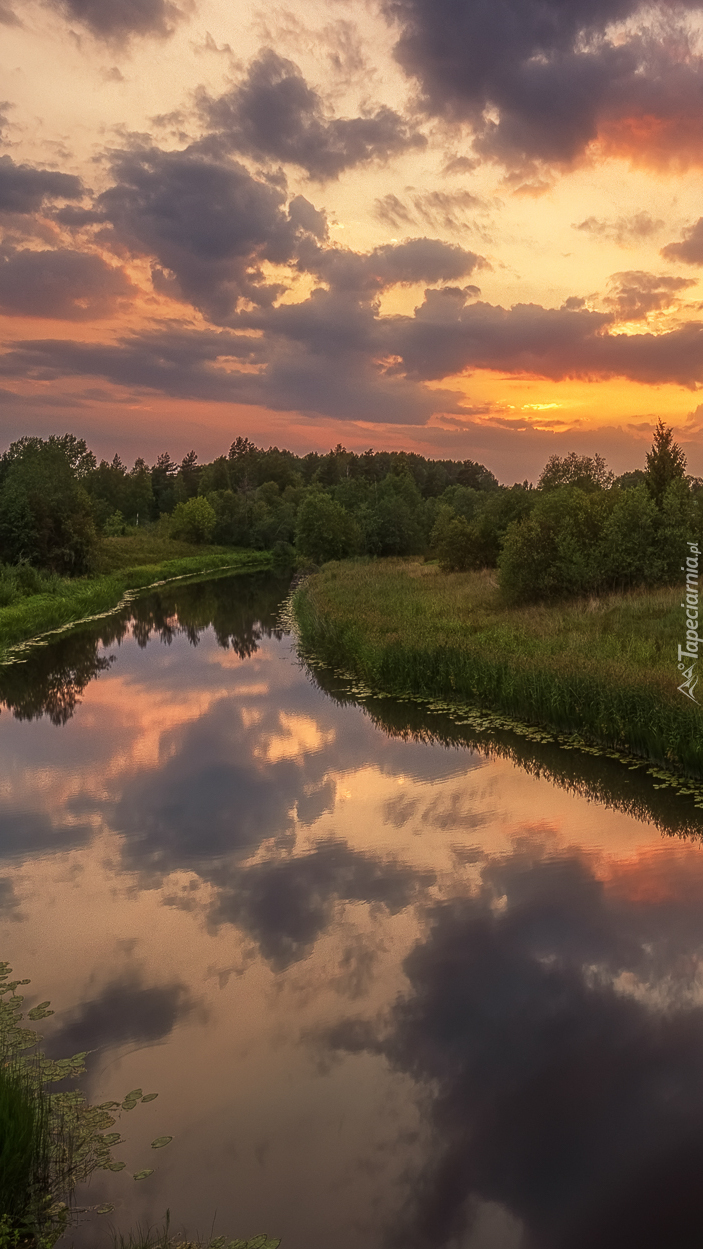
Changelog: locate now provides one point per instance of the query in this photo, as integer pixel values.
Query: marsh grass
(24, 1143)
(161, 1238)
(604, 667)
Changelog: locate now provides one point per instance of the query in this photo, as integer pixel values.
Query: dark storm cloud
(209, 223)
(64, 285)
(273, 114)
(286, 904)
(690, 249)
(573, 1105)
(539, 79)
(24, 189)
(305, 216)
(126, 1012)
(76, 218)
(633, 293)
(117, 20)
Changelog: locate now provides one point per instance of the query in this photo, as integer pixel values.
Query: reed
(161, 1238)
(24, 1145)
(603, 667)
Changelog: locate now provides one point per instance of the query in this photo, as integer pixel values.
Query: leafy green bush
(455, 544)
(115, 526)
(194, 520)
(554, 551)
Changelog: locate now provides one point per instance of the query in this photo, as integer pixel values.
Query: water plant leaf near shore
(50, 1142)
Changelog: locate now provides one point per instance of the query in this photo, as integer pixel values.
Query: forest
(579, 530)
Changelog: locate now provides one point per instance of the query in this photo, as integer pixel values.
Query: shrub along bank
(603, 667)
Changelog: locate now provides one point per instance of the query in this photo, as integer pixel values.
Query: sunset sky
(470, 228)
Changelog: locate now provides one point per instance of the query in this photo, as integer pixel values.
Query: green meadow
(603, 667)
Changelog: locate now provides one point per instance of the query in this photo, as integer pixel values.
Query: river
(393, 986)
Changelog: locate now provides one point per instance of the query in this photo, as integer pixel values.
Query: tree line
(581, 530)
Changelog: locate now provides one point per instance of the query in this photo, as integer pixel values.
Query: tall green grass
(24, 1144)
(603, 667)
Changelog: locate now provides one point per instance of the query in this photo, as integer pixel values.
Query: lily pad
(161, 1141)
(142, 1175)
(40, 1011)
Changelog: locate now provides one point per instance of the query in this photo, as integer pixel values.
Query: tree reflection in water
(599, 778)
(50, 680)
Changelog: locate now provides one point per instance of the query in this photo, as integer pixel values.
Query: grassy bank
(124, 563)
(604, 668)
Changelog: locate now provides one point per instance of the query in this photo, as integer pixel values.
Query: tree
(324, 530)
(139, 495)
(81, 461)
(554, 551)
(194, 521)
(455, 546)
(108, 487)
(630, 546)
(666, 462)
(46, 515)
(477, 476)
(188, 477)
(585, 471)
(163, 478)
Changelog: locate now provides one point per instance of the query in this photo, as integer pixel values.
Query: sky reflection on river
(390, 993)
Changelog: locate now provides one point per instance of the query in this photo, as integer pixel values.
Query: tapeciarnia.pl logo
(688, 656)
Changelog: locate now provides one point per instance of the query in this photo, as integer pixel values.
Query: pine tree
(666, 462)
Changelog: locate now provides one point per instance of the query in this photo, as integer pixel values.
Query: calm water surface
(392, 989)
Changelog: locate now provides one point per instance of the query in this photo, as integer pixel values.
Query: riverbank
(603, 668)
(125, 564)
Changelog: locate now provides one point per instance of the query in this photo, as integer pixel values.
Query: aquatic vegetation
(603, 669)
(24, 1145)
(49, 1141)
(161, 1238)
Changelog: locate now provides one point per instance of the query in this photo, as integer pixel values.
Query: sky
(468, 228)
